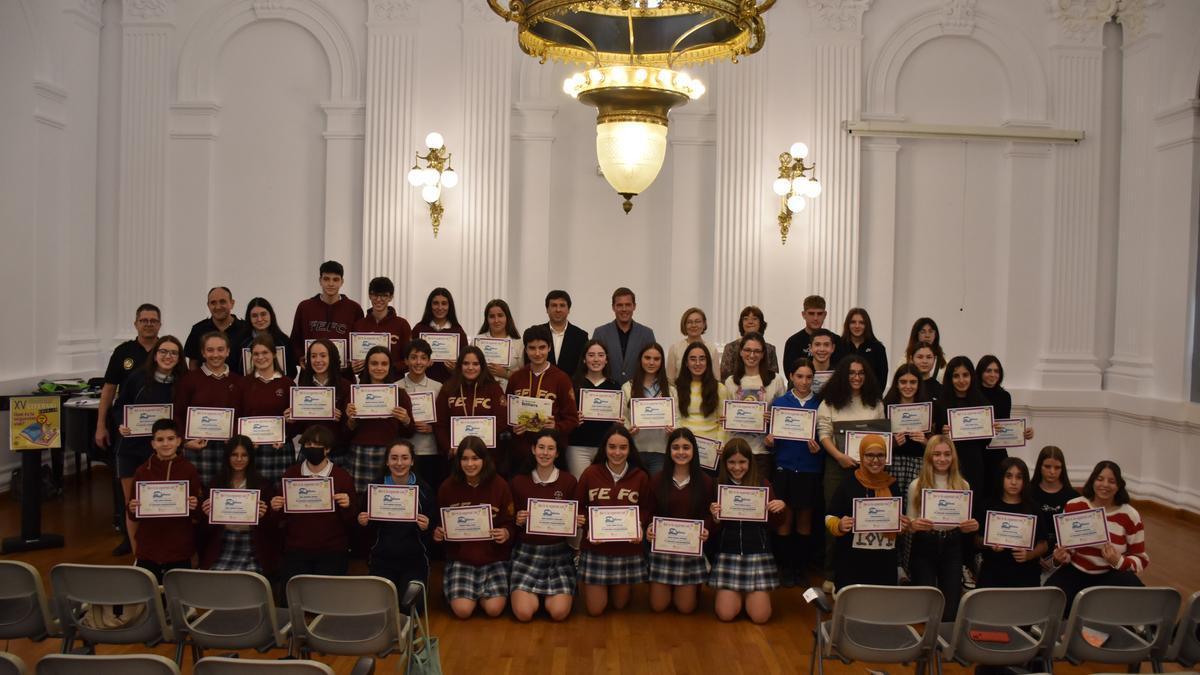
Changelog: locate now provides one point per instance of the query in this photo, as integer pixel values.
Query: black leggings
(937, 561)
(1072, 580)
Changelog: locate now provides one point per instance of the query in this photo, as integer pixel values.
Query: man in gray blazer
(624, 338)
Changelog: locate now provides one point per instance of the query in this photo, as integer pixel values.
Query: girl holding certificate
(937, 550)
(908, 447)
(701, 398)
(266, 394)
(960, 390)
(864, 557)
(240, 547)
(858, 337)
(649, 381)
(797, 479)
(1051, 489)
(372, 435)
(682, 490)
(608, 569)
(743, 573)
(592, 374)
(990, 375)
(543, 563)
(751, 320)
(476, 572)
(470, 392)
(440, 317)
(498, 323)
(925, 331)
(752, 380)
(925, 359)
(323, 368)
(212, 385)
(260, 316)
(1116, 563)
(1013, 567)
(693, 325)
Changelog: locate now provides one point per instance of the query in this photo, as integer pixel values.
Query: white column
(692, 153)
(50, 112)
(343, 180)
(488, 49)
(532, 169)
(194, 127)
(1024, 218)
(879, 173)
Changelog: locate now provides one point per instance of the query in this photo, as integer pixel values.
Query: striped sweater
(1126, 534)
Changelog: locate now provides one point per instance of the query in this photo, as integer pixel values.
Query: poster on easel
(35, 422)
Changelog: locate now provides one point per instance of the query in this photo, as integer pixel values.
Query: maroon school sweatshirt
(317, 319)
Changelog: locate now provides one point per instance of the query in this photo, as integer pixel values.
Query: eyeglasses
(168, 353)
(857, 373)
(752, 352)
(874, 457)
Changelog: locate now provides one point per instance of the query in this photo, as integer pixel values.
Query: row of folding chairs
(1005, 627)
(204, 609)
(151, 664)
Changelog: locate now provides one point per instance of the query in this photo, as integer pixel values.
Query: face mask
(313, 456)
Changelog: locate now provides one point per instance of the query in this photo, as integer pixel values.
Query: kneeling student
(682, 490)
(164, 544)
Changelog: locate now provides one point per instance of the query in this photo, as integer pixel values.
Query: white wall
(240, 143)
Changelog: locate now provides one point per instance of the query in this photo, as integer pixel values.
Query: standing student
(685, 492)
(540, 379)
(937, 550)
(566, 339)
(925, 360)
(797, 480)
(266, 393)
(477, 571)
(1051, 490)
(165, 544)
(126, 358)
(470, 392)
(814, 319)
(822, 347)
(744, 571)
(441, 317)
(649, 380)
(383, 319)
(608, 570)
(543, 566)
(908, 447)
(990, 376)
(693, 325)
(925, 330)
(623, 337)
(751, 320)
(858, 337)
(323, 368)
(249, 548)
(700, 396)
(1013, 568)
(213, 385)
(260, 321)
(221, 319)
(591, 374)
(430, 464)
(752, 381)
(498, 323)
(960, 390)
(371, 436)
(328, 314)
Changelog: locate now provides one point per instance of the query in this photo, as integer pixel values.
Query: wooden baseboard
(1147, 505)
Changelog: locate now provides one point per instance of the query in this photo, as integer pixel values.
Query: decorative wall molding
(87, 12)
(1135, 17)
(1081, 21)
(147, 11)
(392, 10)
(958, 16)
(840, 16)
(50, 107)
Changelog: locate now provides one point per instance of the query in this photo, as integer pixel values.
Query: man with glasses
(383, 319)
(125, 358)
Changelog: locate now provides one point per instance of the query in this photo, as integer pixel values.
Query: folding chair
(24, 610)
(11, 664)
(356, 616)
(78, 587)
(90, 664)
(1185, 648)
(217, 665)
(877, 624)
(237, 611)
(424, 654)
(1007, 611)
(1134, 623)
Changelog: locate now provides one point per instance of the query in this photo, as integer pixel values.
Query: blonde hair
(925, 480)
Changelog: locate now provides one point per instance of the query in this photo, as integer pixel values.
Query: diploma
(710, 452)
(392, 502)
(423, 409)
(876, 514)
(819, 379)
(746, 416)
(1009, 530)
(141, 418)
(162, 498)
(496, 351)
(1010, 435)
(262, 430)
(209, 424)
(601, 404)
(614, 523)
(248, 361)
(854, 442)
(361, 343)
(552, 517)
(673, 536)
(308, 495)
(946, 507)
(313, 403)
(652, 413)
(339, 344)
(970, 423)
(233, 507)
(529, 411)
(483, 428)
(911, 418)
(794, 424)
(467, 523)
(444, 346)
(373, 400)
(1081, 528)
(743, 503)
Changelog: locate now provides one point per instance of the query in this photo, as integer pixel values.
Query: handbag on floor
(424, 655)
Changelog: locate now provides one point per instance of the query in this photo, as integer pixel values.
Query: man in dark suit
(624, 338)
(566, 349)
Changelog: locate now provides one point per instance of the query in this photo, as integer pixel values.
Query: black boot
(801, 544)
(783, 559)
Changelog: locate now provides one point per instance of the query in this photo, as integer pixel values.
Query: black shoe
(124, 548)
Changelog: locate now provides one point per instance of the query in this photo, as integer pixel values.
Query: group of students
(811, 483)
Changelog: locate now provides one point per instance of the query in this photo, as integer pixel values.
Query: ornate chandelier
(633, 49)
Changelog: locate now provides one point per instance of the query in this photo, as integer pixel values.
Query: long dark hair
(893, 392)
(477, 446)
(365, 377)
(510, 328)
(637, 383)
(739, 365)
(950, 394)
(739, 446)
(335, 364)
(1056, 453)
(663, 486)
(1089, 488)
(1026, 488)
(618, 429)
(272, 328)
(224, 477)
(985, 361)
(268, 341)
(837, 392)
(913, 339)
(456, 378)
(150, 365)
(451, 315)
(868, 329)
(709, 397)
(579, 379)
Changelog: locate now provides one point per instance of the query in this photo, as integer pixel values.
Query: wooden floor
(632, 641)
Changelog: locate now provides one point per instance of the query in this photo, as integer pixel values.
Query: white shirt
(556, 339)
(220, 375)
(617, 476)
(553, 477)
(424, 444)
(323, 473)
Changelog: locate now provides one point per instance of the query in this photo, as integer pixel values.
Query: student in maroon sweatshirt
(265, 393)
(615, 478)
(317, 543)
(543, 566)
(383, 319)
(440, 317)
(372, 435)
(540, 379)
(212, 385)
(251, 548)
(328, 314)
(323, 369)
(165, 544)
(477, 571)
(682, 490)
(470, 392)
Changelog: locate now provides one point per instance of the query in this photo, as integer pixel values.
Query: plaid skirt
(744, 573)
(611, 570)
(677, 570)
(474, 582)
(237, 552)
(365, 463)
(208, 460)
(272, 461)
(543, 569)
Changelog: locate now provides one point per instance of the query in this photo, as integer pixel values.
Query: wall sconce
(794, 184)
(436, 175)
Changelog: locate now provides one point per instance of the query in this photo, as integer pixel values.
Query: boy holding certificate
(383, 319)
(328, 314)
(865, 552)
(165, 542)
(540, 379)
(430, 466)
